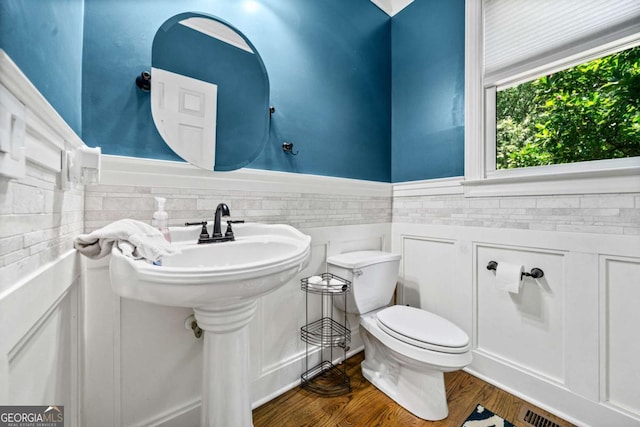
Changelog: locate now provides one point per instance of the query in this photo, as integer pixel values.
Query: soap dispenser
(160, 219)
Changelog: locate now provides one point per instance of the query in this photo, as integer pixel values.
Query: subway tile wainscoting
(105, 204)
(38, 222)
(256, 196)
(591, 213)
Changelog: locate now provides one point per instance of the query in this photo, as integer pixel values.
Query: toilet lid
(423, 329)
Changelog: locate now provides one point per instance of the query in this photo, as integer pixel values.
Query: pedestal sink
(221, 282)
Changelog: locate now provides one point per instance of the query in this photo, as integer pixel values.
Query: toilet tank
(373, 276)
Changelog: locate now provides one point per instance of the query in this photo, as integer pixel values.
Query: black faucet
(221, 210)
(216, 236)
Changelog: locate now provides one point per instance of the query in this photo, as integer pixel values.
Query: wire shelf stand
(326, 334)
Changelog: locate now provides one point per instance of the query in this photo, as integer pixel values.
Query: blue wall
(328, 65)
(427, 56)
(361, 95)
(44, 38)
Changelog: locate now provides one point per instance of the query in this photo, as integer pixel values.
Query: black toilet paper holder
(536, 272)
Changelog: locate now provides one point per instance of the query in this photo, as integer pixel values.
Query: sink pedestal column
(226, 382)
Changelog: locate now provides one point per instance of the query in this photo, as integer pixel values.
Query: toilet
(406, 349)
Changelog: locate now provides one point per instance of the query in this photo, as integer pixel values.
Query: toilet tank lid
(361, 259)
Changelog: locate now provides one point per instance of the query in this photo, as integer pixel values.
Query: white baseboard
(537, 391)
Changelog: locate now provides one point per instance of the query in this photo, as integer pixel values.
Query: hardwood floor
(366, 406)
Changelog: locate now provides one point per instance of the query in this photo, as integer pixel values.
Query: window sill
(597, 177)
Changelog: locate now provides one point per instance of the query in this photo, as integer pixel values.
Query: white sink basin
(262, 258)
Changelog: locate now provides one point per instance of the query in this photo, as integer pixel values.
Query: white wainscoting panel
(160, 361)
(32, 377)
(620, 322)
(101, 376)
(427, 280)
(567, 342)
(39, 339)
(524, 329)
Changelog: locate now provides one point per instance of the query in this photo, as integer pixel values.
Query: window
(587, 112)
(525, 68)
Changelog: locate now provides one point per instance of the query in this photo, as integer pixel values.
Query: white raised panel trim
(27, 305)
(581, 335)
(516, 366)
(596, 177)
(429, 187)
(102, 346)
(38, 292)
(402, 273)
(119, 170)
(605, 294)
(621, 245)
(117, 360)
(35, 328)
(593, 181)
(39, 112)
(544, 250)
(42, 144)
(548, 182)
(170, 415)
(12, 136)
(474, 148)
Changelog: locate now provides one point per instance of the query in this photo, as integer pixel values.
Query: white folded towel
(315, 280)
(135, 239)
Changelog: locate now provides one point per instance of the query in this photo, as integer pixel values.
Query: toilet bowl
(407, 349)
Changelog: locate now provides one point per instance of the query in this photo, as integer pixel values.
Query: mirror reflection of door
(210, 92)
(184, 111)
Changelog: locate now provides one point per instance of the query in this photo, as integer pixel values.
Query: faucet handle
(204, 233)
(229, 232)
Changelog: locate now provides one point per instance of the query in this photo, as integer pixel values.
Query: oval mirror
(209, 92)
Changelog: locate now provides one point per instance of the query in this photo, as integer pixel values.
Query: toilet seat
(422, 329)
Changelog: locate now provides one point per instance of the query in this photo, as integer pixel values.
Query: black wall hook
(287, 147)
(143, 81)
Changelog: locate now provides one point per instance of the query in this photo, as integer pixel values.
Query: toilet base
(412, 376)
(421, 393)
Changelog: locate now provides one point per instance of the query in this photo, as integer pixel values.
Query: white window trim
(599, 176)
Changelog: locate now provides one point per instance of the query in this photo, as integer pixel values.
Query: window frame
(481, 177)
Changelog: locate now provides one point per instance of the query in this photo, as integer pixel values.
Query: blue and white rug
(482, 417)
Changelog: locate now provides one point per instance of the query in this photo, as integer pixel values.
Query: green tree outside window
(587, 112)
